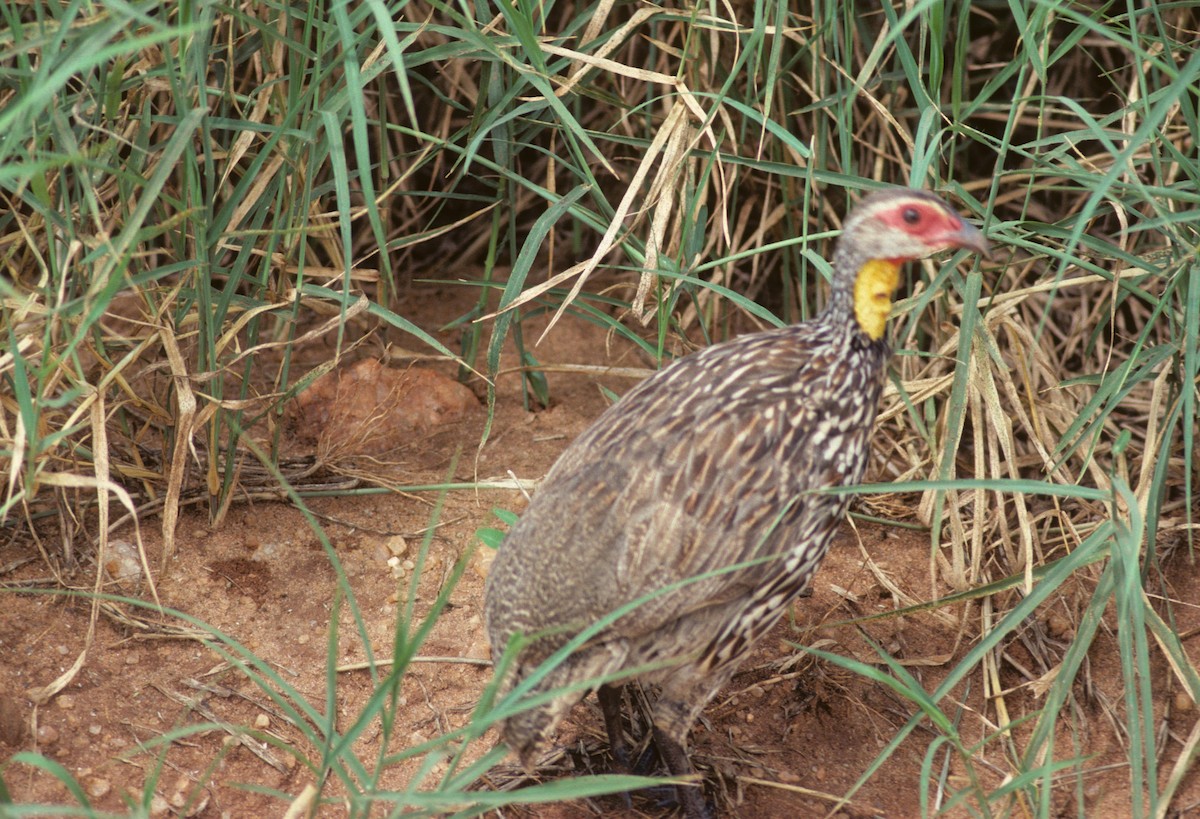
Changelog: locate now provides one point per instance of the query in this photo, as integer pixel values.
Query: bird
(671, 535)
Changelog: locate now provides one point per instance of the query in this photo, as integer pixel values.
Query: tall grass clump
(195, 194)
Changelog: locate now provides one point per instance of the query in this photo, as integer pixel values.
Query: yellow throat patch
(873, 288)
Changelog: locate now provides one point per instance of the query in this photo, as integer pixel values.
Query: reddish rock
(367, 408)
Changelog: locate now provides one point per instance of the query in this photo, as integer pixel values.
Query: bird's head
(884, 230)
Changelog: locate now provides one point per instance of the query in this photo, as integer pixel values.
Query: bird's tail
(528, 731)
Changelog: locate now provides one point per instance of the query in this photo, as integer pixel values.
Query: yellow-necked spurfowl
(709, 463)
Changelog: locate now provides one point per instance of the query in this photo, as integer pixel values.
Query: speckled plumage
(711, 462)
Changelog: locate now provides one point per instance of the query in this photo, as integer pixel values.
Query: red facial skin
(933, 225)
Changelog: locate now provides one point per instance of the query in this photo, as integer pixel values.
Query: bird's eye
(912, 216)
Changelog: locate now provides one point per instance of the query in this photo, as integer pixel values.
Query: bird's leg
(611, 703)
(691, 796)
(672, 721)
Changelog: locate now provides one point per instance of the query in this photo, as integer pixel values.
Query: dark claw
(689, 797)
(648, 762)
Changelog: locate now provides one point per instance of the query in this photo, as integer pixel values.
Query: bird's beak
(971, 237)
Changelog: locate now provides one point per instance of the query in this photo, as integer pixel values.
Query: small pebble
(123, 561)
(262, 722)
(379, 552)
(197, 807)
(98, 787)
(65, 702)
(47, 735)
(482, 562)
(1183, 702)
(1057, 625)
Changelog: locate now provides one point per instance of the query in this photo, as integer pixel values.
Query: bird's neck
(873, 288)
(861, 294)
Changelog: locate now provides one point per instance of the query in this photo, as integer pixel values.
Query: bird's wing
(686, 477)
(735, 500)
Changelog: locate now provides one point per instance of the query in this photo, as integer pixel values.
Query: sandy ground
(788, 725)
